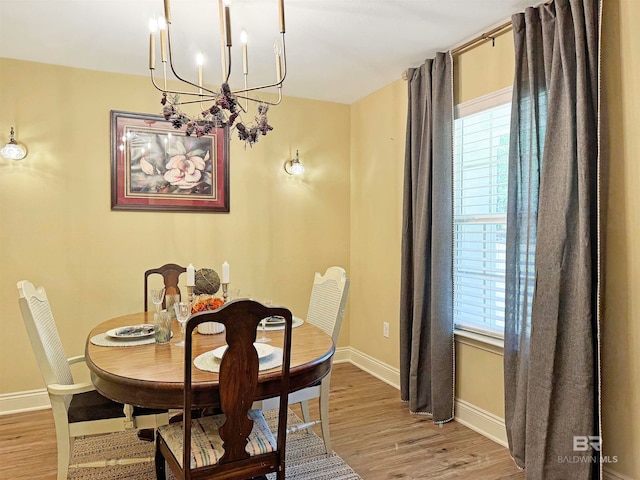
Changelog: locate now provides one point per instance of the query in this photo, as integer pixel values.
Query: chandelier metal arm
(228, 73)
(272, 85)
(257, 100)
(211, 95)
(204, 98)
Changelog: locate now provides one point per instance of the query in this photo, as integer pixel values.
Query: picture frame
(157, 167)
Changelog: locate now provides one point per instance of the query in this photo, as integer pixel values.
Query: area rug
(306, 459)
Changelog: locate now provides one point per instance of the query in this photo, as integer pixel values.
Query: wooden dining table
(152, 375)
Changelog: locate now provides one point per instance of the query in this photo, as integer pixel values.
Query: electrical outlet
(385, 329)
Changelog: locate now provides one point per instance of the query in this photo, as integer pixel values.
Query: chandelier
(217, 108)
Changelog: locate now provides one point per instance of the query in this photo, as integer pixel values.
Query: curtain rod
(490, 35)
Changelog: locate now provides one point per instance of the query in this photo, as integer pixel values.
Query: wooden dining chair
(78, 409)
(238, 443)
(171, 276)
(326, 311)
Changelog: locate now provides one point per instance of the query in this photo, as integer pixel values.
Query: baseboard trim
(27, 401)
(613, 475)
(481, 421)
(372, 366)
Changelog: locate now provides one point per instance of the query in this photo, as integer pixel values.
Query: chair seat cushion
(88, 406)
(206, 444)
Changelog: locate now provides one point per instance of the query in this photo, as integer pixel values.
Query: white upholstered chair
(78, 409)
(326, 311)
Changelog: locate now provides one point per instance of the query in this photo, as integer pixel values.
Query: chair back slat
(328, 300)
(43, 335)
(170, 275)
(238, 377)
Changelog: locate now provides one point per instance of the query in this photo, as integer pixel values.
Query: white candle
(225, 272)
(191, 276)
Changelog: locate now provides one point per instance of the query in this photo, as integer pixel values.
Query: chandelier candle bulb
(225, 272)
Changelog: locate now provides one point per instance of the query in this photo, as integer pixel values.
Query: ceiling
(337, 50)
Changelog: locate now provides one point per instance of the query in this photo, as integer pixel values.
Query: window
(481, 153)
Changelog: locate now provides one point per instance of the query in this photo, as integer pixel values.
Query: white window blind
(481, 152)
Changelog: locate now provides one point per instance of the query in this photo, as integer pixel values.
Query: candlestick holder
(225, 291)
(190, 294)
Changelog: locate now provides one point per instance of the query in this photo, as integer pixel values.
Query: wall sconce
(294, 167)
(12, 150)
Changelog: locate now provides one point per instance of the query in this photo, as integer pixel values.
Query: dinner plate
(263, 350)
(280, 325)
(274, 321)
(132, 331)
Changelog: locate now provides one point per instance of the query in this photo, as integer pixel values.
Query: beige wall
(57, 229)
(377, 159)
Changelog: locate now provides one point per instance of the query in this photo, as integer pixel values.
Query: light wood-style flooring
(371, 429)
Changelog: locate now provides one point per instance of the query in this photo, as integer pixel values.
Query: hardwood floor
(371, 429)
(374, 432)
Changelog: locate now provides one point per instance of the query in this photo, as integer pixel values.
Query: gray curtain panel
(551, 362)
(426, 304)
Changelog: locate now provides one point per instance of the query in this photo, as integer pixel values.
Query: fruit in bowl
(207, 303)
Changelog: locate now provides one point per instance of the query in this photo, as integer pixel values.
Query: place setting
(268, 356)
(127, 336)
(145, 333)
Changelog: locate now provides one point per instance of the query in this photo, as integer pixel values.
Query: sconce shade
(12, 150)
(294, 167)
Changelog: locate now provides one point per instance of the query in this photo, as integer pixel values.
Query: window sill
(477, 340)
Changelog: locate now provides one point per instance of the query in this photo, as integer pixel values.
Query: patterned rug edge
(306, 459)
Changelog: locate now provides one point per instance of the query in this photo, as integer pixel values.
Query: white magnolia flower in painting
(184, 169)
(146, 166)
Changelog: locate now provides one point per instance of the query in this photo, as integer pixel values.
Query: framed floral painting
(157, 167)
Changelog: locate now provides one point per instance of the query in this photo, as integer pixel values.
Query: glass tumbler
(162, 324)
(170, 300)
